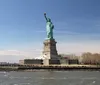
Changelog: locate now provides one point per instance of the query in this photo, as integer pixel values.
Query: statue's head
(49, 20)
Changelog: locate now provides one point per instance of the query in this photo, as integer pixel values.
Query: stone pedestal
(50, 51)
(45, 61)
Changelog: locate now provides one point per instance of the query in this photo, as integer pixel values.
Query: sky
(23, 27)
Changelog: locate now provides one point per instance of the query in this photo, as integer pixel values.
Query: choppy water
(50, 78)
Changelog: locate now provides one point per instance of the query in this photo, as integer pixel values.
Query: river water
(50, 78)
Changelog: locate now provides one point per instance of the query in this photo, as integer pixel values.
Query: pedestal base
(50, 52)
(51, 61)
(45, 61)
(50, 49)
(54, 61)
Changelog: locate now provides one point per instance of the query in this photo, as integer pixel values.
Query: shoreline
(51, 68)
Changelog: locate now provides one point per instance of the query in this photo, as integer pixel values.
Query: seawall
(50, 67)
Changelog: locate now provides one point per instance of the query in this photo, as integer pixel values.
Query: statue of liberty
(49, 27)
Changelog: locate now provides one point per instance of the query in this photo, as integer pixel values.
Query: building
(31, 61)
(68, 59)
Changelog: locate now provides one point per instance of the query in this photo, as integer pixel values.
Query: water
(50, 78)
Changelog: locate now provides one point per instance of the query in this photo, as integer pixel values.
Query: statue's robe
(49, 28)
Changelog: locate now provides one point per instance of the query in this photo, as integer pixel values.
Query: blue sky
(22, 26)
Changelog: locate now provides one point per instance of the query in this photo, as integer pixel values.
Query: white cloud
(66, 32)
(26, 53)
(15, 55)
(76, 48)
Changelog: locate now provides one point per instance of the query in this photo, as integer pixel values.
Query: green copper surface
(49, 27)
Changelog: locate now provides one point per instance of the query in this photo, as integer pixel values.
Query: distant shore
(51, 67)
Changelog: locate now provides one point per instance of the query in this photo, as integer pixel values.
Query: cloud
(26, 53)
(66, 32)
(11, 58)
(62, 47)
(78, 47)
(16, 55)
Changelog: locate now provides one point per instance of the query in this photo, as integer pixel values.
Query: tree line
(90, 58)
(86, 58)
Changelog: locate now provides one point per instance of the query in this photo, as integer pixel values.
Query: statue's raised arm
(45, 16)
